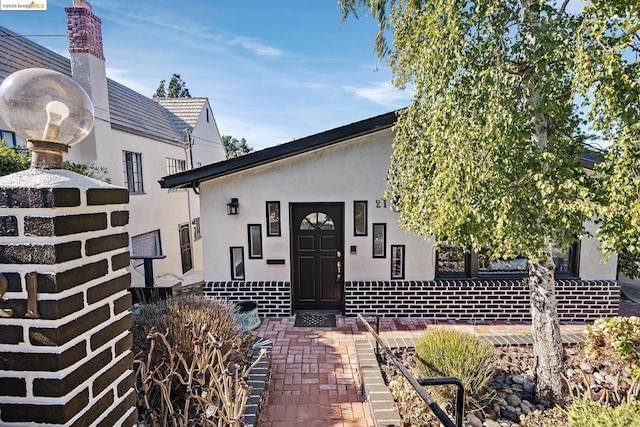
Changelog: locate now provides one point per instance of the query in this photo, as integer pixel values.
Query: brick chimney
(84, 31)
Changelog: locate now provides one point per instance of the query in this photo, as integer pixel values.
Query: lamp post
(49, 110)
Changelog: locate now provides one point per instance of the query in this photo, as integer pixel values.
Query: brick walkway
(314, 378)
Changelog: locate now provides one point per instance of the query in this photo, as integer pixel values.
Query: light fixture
(49, 110)
(233, 207)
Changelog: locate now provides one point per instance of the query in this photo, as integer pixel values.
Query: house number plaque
(32, 296)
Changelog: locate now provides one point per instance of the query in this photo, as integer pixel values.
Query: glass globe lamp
(49, 110)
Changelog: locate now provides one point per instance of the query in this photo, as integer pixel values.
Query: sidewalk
(314, 377)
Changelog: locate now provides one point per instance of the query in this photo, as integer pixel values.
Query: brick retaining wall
(273, 298)
(578, 300)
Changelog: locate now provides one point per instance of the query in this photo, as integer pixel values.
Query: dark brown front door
(317, 255)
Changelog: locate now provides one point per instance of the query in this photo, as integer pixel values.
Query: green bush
(11, 160)
(587, 413)
(622, 334)
(449, 353)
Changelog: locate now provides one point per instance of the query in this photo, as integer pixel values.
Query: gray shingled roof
(130, 111)
(185, 112)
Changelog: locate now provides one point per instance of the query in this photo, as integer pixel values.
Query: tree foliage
(176, 89)
(608, 76)
(235, 147)
(487, 154)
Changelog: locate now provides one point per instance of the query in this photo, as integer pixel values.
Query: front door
(317, 255)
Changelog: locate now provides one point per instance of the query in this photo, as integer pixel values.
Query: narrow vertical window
(273, 218)
(132, 168)
(197, 235)
(397, 261)
(255, 241)
(360, 218)
(237, 263)
(379, 240)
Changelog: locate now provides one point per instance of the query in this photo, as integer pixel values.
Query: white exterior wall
(207, 145)
(592, 264)
(344, 172)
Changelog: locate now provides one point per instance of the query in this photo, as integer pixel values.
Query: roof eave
(193, 178)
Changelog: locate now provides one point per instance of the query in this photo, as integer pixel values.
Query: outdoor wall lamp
(233, 207)
(49, 110)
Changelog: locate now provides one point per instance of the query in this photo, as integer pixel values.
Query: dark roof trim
(194, 177)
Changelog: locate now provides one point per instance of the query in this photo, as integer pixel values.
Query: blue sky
(273, 71)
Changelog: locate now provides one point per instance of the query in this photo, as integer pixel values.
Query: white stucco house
(138, 140)
(301, 226)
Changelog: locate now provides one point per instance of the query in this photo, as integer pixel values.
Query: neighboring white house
(138, 140)
(312, 233)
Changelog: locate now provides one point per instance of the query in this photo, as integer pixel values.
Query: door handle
(338, 265)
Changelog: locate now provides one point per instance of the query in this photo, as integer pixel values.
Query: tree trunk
(545, 331)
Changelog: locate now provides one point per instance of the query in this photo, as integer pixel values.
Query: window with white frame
(175, 166)
(132, 167)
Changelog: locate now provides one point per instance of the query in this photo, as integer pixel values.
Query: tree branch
(563, 8)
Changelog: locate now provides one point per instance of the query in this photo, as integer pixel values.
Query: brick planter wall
(578, 300)
(273, 298)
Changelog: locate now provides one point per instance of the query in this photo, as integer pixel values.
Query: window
(147, 244)
(132, 171)
(255, 241)
(196, 229)
(237, 263)
(175, 166)
(273, 219)
(379, 240)
(397, 262)
(360, 218)
(454, 262)
(207, 110)
(317, 221)
(8, 138)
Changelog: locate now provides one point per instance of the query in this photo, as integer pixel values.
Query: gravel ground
(514, 384)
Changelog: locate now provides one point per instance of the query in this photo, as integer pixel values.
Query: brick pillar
(65, 345)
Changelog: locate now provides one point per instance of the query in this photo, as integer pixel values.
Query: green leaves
(487, 153)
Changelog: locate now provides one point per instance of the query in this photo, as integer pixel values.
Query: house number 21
(32, 296)
(381, 203)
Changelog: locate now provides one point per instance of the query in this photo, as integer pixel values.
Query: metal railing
(418, 384)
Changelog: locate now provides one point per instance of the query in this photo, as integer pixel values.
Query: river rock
(518, 379)
(514, 400)
(473, 421)
(491, 423)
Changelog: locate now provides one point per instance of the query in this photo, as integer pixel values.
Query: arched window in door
(317, 221)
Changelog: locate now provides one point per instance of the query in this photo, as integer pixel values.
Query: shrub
(175, 314)
(411, 407)
(621, 334)
(448, 353)
(587, 413)
(11, 160)
(191, 364)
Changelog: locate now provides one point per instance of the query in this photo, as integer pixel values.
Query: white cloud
(256, 46)
(120, 76)
(382, 93)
